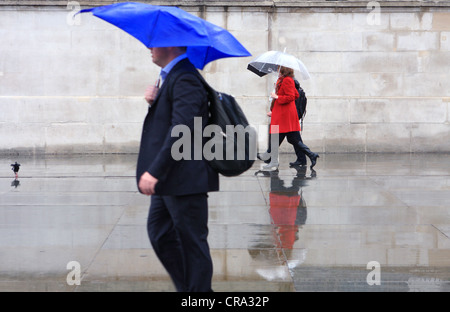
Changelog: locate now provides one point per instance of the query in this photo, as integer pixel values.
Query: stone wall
(379, 74)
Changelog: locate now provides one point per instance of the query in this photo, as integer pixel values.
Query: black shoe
(313, 160)
(297, 164)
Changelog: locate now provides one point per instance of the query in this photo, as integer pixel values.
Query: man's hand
(150, 94)
(147, 184)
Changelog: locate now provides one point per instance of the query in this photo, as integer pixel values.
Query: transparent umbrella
(270, 62)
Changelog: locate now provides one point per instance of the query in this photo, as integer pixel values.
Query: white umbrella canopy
(270, 61)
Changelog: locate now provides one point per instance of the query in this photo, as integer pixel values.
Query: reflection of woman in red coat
(284, 120)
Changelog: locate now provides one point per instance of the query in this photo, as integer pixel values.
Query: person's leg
(305, 149)
(190, 217)
(266, 156)
(275, 138)
(293, 138)
(165, 241)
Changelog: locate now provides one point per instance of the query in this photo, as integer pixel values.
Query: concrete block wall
(375, 87)
(70, 87)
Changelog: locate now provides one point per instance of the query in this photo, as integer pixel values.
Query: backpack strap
(209, 90)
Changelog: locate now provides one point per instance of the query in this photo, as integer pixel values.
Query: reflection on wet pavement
(360, 222)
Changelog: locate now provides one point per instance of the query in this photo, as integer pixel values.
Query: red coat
(284, 112)
(283, 210)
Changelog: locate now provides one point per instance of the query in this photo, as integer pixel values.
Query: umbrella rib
(206, 55)
(210, 43)
(153, 27)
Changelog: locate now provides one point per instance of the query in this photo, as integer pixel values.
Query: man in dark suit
(178, 216)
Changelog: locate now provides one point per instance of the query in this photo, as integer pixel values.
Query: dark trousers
(178, 229)
(294, 138)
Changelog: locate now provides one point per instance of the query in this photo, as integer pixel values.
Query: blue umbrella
(164, 26)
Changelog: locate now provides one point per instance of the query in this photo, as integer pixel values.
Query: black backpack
(301, 101)
(232, 134)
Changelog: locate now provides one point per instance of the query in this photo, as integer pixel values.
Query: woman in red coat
(284, 120)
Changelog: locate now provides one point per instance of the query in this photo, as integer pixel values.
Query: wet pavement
(359, 222)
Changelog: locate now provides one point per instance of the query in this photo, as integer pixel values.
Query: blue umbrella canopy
(164, 26)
